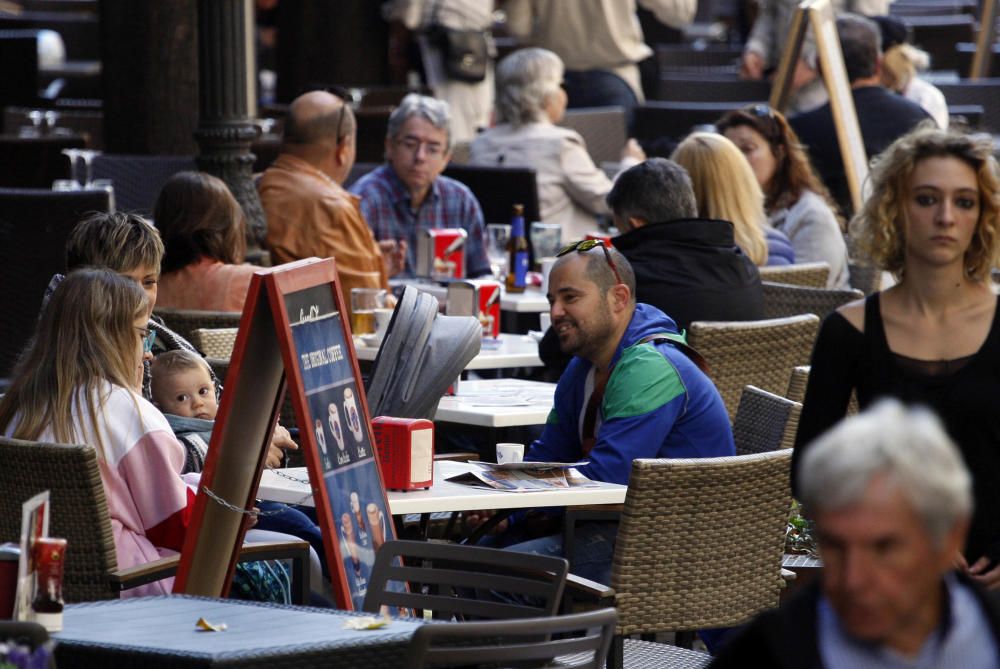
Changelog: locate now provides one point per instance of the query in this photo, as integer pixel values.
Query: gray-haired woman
(529, 102)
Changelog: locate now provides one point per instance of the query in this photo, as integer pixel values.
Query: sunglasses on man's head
(585, 245)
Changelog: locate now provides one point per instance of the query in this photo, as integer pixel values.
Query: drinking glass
(497, 235)
(546, 239)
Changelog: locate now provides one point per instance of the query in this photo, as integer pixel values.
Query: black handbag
(465, 52)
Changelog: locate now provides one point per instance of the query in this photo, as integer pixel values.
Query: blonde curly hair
(878, 228)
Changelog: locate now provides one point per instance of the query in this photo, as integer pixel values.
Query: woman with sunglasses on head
(795, 200)
(725, 189)
(934, 337)
(80, 382)
(530, 102)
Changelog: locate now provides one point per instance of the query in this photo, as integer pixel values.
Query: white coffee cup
(507, 453)
(546, 264)
(382, 318)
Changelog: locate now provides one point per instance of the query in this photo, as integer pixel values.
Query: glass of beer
(364, 302)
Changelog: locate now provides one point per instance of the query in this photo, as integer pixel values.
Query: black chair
(18, 67)
(443, 579)
(682, 87)
(372, 125)
(498, 188)
(675, 120)
(35, 162)
(982, 92)
(681, 56)
(79, 30)
(138, 179)
(581, 640)
(966, 51)
(906, 9)
(938, 35)
(34, 225)
(968, 116)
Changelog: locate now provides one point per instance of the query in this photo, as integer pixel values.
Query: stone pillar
(225, 103)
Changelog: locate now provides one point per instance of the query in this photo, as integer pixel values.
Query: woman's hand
(633, 150)
(752, 66)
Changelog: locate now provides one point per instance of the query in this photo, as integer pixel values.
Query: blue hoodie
(657, 404)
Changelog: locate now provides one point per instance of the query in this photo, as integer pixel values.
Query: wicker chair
(865, 277)
(797, 384)
(602, 129)
(215, 343)
(582, 641)
(185, 321)
(813, 274)
(783, 299)
(765, 422)
(758, 353)
(699, 546)
(79, 514)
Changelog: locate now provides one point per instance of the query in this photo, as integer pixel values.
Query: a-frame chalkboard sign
(292, 330)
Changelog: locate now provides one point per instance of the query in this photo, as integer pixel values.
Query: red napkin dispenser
(405, 452)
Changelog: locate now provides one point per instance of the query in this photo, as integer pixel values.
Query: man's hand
(280, 440)
(394, 255)
(474, 519)
(752, 66)
(981, 574)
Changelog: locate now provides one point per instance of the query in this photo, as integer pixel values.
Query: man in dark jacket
(891, 499)
(690, 268)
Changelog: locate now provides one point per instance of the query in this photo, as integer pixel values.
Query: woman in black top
(933, 338)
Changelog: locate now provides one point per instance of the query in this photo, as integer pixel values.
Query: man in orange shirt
(308, 212)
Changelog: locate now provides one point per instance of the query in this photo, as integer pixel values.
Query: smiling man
(408, 194)
(629, 392)
(891, 500)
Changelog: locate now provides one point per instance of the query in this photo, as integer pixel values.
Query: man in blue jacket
(629, 392)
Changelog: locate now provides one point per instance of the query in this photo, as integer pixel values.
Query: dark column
(149, 76)
(225, 131)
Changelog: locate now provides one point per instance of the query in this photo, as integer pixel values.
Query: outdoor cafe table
(445, 495)
(497, 403)
(514, 351)
(160, 633)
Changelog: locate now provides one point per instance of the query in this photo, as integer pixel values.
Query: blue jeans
(600, 88)
(290, 520)
(593, 547)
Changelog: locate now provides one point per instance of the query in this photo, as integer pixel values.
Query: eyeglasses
(148, 337)
(412, 145)
(585, 245)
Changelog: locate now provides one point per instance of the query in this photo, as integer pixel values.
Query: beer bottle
(517, 253)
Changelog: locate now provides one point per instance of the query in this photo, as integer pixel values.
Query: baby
(183, 390)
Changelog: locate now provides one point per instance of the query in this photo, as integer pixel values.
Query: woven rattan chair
(757, 353)
(797, 383)
(783, 299)
(79, 514)
(443, 578)
(814, 274)
(699, 546)
(865, 277)
(765, 422)
(185, 321)
(582, 642)
(214, 342)
(602, 129)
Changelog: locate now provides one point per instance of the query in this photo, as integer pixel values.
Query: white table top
(445, 496)
(531, 301)
(514, 351)
(498, 403)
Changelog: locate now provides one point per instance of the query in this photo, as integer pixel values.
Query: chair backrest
(465, 582)
(965, 51)
(813, 274)
(19, 68)
(797, 383)
(675, 56)
(938, 35)
(602, 128)
(497, 188)
(584, 636)
(865, 277)
(782, 299)
(78, 507)
(700, 541)
(985, 92)
(674, 120)
(215, 342)
(185, 321)
(757, 353)
(697, 87)
(89, 123)
(138, 179)
(35, 162)
(34, 225)
(765, 422)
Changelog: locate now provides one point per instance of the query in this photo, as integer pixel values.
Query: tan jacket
(309, 214)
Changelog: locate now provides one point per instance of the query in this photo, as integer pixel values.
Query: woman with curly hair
(933, 338)
(796, 201)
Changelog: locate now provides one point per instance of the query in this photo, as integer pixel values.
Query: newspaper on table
(525, 476)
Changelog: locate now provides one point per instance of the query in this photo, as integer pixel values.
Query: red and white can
(441, 253)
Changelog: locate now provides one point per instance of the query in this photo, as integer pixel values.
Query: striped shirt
(386, 206)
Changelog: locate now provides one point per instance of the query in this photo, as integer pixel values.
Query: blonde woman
(725, 188)
(80, 382)
(934, 337)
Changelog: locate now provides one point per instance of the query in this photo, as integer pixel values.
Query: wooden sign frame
(819, 15)
(292, 330)
(983, 57)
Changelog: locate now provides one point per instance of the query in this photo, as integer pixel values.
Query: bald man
(308, 212)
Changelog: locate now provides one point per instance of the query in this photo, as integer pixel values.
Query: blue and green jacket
(657, 404)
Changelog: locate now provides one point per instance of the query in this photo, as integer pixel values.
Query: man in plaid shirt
(408, 193)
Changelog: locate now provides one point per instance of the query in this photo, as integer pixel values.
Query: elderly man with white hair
(891, 500)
